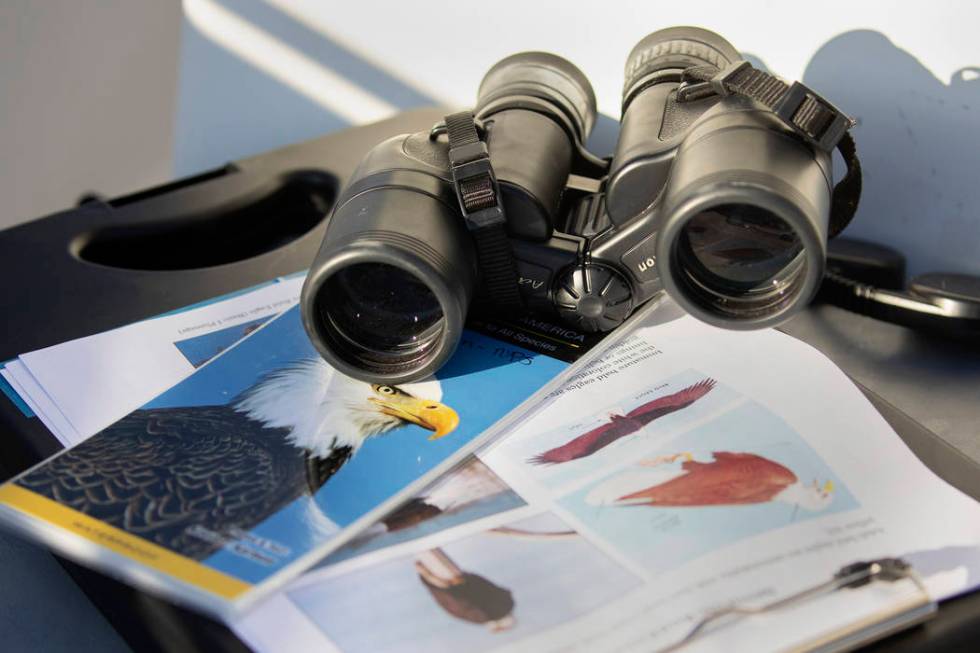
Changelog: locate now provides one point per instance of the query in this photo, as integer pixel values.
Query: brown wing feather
(671, 403)
(730, 479)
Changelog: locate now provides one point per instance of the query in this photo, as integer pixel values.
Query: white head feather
(322, 408)
(809, 497)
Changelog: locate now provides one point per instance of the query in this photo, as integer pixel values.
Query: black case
(109, 263)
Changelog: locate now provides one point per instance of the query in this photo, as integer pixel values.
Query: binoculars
(710, 196)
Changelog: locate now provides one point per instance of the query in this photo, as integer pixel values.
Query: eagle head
(324, 409)
(813, 497)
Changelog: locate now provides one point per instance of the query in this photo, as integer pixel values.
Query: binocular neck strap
(479, 200)
(813, 118)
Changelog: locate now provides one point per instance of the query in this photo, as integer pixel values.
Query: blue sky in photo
(200, 349)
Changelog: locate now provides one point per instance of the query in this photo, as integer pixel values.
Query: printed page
(688, 469)
(40, 403)
(263, 460)
(83, 386)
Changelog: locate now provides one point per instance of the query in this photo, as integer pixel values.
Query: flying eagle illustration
(619, 426)
(728, 479)
(170, 474)
(464, 595)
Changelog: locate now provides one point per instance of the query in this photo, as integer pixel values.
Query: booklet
(264, 460)
(80, 387)
(687, 470)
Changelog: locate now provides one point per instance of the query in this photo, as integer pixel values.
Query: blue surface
(41, 608)
(12, 395)
(200, 349)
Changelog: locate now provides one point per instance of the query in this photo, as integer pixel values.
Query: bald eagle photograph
(178, 475)
(743, 473)
(266, 451)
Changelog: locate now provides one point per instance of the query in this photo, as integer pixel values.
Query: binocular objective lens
(383, 315)
(738, 249)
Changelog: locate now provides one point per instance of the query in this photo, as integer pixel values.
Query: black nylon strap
(817, 121)
(461, 129)
(847, 192)
(479, 200)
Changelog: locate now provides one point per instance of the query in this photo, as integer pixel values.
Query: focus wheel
(593, 297)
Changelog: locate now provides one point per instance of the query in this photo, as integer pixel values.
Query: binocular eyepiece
(709, 196)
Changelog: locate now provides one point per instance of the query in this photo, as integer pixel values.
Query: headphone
(868, 278)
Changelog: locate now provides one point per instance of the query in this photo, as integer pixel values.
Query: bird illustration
(467, 485)
(464, 595)
(188, 478)
(728, 479)
(619, 426)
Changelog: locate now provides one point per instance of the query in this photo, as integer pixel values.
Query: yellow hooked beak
(431, 415)
(828, 487)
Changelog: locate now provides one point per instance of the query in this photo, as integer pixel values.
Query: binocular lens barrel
(529, 80)
(743, 237)
(386, 296)
(388, 293)
(740, 260)
(742, 241)
(382, 314)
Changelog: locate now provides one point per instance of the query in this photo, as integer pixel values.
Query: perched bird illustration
(619, 426)
(187, 477)
(726, 480)
(464, 595)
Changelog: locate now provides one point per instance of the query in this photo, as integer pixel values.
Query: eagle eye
(386, 390)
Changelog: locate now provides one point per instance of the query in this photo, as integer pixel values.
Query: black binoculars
(712, 196)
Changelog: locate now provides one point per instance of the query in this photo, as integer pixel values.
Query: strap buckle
(476, 185)
(818, 121)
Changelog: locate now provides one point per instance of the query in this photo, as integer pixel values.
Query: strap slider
(476, 186)
(819, 122)
(720, 82)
